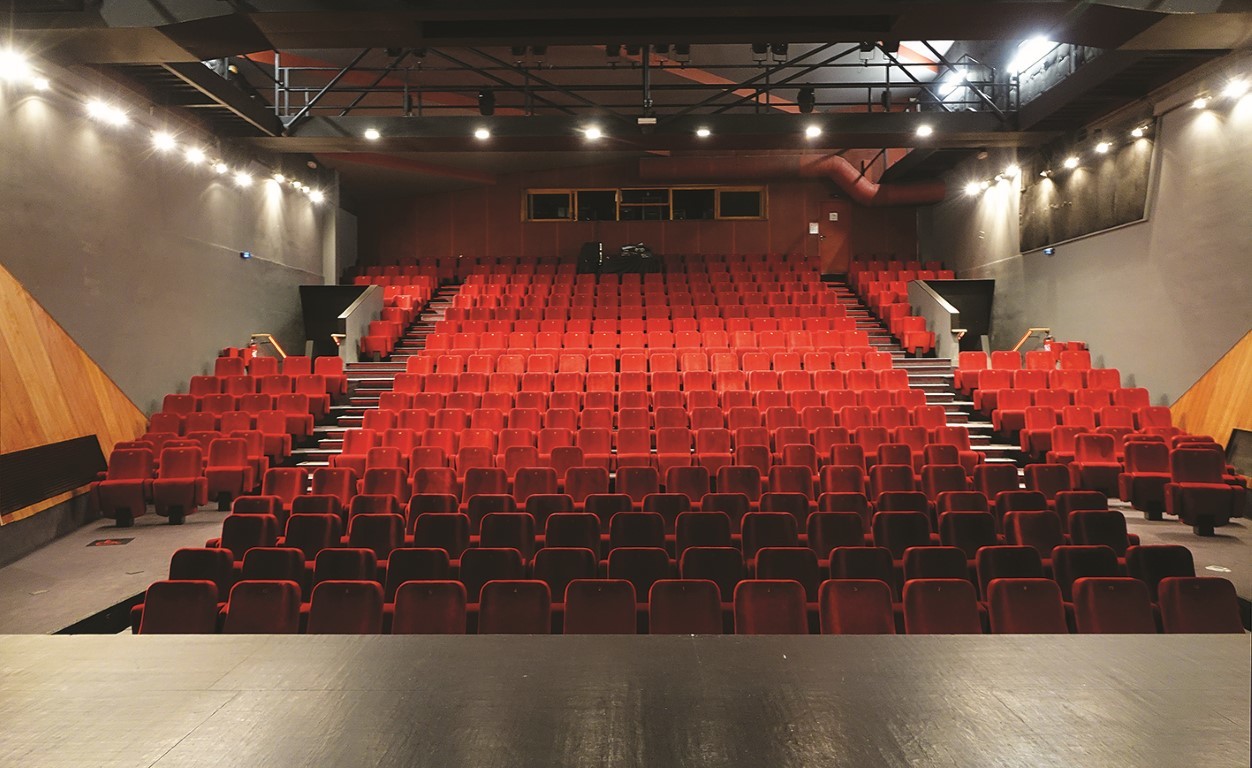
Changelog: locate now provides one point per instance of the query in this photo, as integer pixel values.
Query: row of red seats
(257, 411)
(571, 409)
(684, 360)
(971, 364)
(692, 605)
(736, 343)
(760, 607)
(1046, 430)
(1009, 415)
(832, 321)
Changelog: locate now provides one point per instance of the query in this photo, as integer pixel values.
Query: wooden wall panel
(487, 221)
(50, 390)
(1221, 400)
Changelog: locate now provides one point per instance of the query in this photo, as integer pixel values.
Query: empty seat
(263, 607)
(827, 530)
(481, 565)
(770, 608)
(346, 608)
(1000, 562)
(429, 608)
(179, 607)
(935, 563)
(515, 607)
(941, 607)
(1153, 562)
(897, 531)
(1197, 492)
(1026, 606)
(642, 566)
(1199, 605)
(1112, 606)
(600, 607)
(855, 607)
(558, 566)
(415, 564)
(684, 606)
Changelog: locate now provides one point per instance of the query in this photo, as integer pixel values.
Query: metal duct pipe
(833, 167)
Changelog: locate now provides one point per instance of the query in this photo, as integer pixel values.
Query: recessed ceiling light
(163, 141)
(924, 130)
(316, 196)
(278, 177)
(243, 179)
(973, 188)
(703, 133)
(1012, 171)
(813, 131)
(1103, 147)
(219, 168)
(1235, 89)
(1138, 132)
(1071, 162)
(482, 134)
(40, 83)
(107, 113)
(1200, 103)
(195, 155)
(14, 67)
(592, 133)
(372, 134)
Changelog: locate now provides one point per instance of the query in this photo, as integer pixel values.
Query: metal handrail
(1029, 332)
(269, 338)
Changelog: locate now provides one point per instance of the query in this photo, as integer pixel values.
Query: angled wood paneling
(1222, 398)
(50, 390)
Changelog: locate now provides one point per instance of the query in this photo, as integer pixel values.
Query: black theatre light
(807, 98)
(486, 103)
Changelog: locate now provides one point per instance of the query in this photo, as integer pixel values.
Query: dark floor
(617, 701)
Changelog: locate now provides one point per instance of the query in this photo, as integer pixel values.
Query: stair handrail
(269, 339)
(1025, 336)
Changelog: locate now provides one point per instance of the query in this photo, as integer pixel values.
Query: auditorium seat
(124, 492)
(770, 608)
(1151, 563)
(1006, 562)
(481, 565)
(600, 607)
(1026, 606)
(346, 608)
(1112, 605)
(941, 607)
(855, 607)
(414, 564)
(449, 532)
(516, 606)
(1193, 605)
(684, 606)
(263, 608)
(182, 607)
(429, 608)
(1197, 493)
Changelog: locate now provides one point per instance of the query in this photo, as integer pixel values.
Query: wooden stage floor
(766, 702)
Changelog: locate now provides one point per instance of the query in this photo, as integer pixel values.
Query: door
(834, 246)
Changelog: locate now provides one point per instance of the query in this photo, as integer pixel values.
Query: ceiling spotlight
(482, 134)
(924, 130)
(985, 185)
(372, 134)
(243, 179)
(163, 141)
(1235, 89)
(1011, 172)
(195, 155)
(316, 196)
(14, 67)
(779, 50)
(592, 133)
(107, 113)
(220, 168)
(1139, 132)
(973, 188)
(1200, 103)
(613, 52)
(40, 83)
(1046, 173)
(813, 131)
(1103, 147)
(1071, 162)
(806, 99)
(278, 177)
(703, 133)
(759, 52)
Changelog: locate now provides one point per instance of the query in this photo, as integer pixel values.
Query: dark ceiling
(308, 78)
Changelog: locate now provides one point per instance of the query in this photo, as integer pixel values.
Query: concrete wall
(136, 253)
(1162, 299)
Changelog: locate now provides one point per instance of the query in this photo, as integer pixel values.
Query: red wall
(487, 221)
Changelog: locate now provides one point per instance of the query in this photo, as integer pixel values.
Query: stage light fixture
(372, 134)
(1071, 162)
(316, 196)
(972, 188)
(1103, 147)
(1200, 102)
(220, 168)
(194, 155)
(1138, 132)
(703, 133)
(924, 130)
(482, 134)
(163, 141)
(593, 133)
(806, 99)
(486, 103)
(1235, 89)
(1012, 171)
(243, 179)
(813, 131)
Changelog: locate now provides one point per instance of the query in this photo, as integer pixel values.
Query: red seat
(180, 487)
(684, 606)
(181, 607)
(855, 607)
(1112, 605)
(1198, 493)
(124, 492)
(600, 607)
(941, 607)
(515, 607)
(770, 608)
(346, 608)
(429, 608)
(1199, 605)
(1026, 606)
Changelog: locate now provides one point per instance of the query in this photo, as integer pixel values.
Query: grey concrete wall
(1161, 300)
(136, 253)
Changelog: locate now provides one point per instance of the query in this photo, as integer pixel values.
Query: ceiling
(310, 79)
